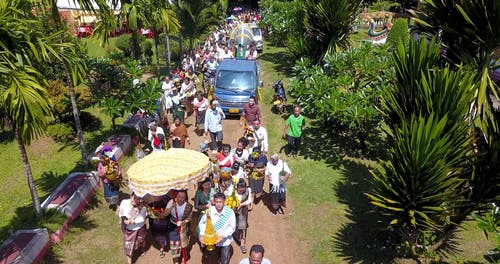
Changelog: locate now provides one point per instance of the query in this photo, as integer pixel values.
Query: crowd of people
(235, 182)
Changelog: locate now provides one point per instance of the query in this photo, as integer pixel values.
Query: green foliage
(61, 132)
(469, 31)
(345, 92)
(382, 6)
(147, 51)
(124, 43)
(423, 186)
(490, 224)
(310, 28)
(282, 20)
(399, 32)
(198, 17)
(328, 24)
(61, 103)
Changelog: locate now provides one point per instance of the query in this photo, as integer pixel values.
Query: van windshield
(235, 80)
(256, 31)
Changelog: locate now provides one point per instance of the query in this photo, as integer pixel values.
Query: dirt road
(272, 231)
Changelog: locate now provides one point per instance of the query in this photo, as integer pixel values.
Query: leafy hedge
(345, 91)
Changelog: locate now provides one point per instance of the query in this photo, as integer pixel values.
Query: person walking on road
(224, 223)
(294, 126)
(213, 125)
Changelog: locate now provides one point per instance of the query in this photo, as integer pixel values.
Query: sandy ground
(271, 231)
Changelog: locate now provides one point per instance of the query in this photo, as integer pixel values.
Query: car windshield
(256, 31)
(235, 80)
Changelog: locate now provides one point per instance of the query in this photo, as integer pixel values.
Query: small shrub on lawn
(399, 32)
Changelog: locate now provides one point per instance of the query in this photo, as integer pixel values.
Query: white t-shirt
(139, 219)
(203, 105)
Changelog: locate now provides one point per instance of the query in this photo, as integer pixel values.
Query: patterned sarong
(133, 239)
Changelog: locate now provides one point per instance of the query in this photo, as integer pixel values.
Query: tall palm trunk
(167, 52)
(156, 40)
(76, 115)
(136, 48)
(29, 175)
(180, 31)
(74, 107)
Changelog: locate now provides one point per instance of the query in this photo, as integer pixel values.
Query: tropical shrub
(124, 43)
(345, 91)
(399, 32)
(147, 52)
(61, 132)
(61, 102)
(282, 20)
(424, 186)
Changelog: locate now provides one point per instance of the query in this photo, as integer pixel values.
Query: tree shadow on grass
(362, 239)
(320, 144)
(282, 61)
(80, 224)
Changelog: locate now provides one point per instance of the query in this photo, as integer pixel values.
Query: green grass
(94, 50)
(50, 163)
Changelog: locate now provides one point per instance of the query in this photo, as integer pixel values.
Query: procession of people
(217, 217)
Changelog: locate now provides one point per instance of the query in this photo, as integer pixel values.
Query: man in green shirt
(293, 130)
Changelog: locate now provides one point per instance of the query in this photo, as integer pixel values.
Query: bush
(398, 32)
(61, 132)
(124, 43)
(147, 51)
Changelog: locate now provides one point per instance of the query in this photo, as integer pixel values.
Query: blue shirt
(213, 120)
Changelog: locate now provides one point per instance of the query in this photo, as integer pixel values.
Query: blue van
(235, 81)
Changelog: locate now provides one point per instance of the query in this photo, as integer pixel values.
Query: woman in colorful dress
(180, 211)
(244, 195)
(158, 222)
(225, 157)
(133, 215)
(110, 173)
(257, 165)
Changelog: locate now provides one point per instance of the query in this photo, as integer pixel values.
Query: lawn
(333, 220)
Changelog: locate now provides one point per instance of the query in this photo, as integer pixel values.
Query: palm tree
(419, 187)
(198, 17)
(75, 68)
(160, 16)
(470, 35)
(328, 24)
(23, 98)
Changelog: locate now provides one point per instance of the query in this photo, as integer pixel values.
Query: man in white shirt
(256, 256)
(260, 138)
(224, 224)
